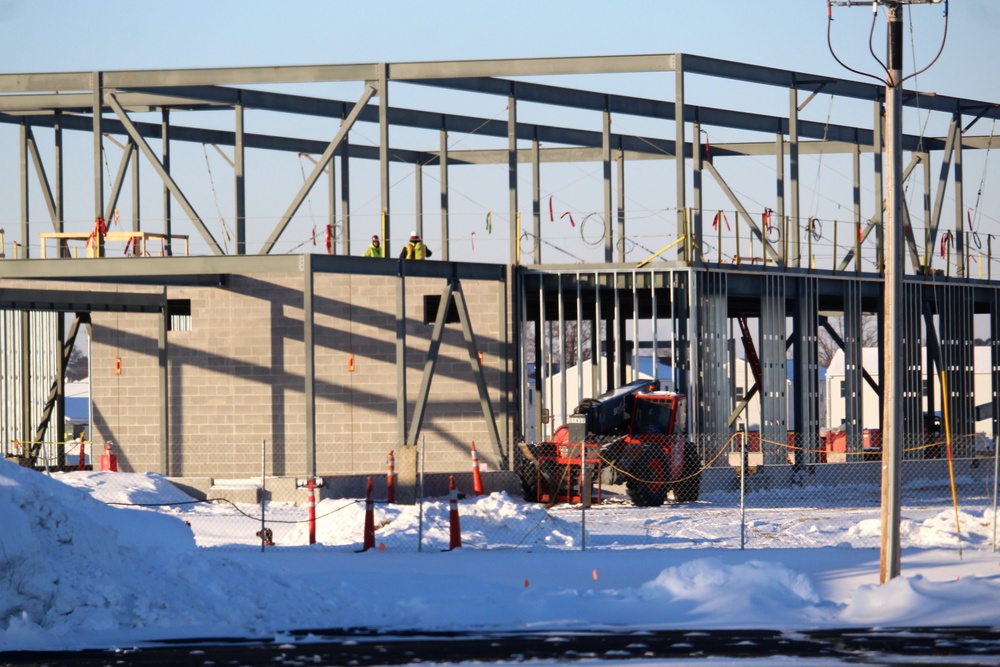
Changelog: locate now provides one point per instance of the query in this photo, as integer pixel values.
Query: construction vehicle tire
(688, 487)
(526, 465)
(647, 484)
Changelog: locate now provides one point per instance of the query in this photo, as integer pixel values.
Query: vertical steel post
(345, 197)
(621, 203)
(443, 167)
(606, 153)
(97, 84)
(25, 199)
(309, 361)
(695, 229)
(512, 170)
(793, 175)
(136, 206)
(263, 468)
(167, 222)
(418, 202)
(400, 352)
(164, 386)
(58, 148)
(331, 203)
(996, 469)
(383, 158)
(961, 256)
(679, 151)
(239, 188)
(536, 198)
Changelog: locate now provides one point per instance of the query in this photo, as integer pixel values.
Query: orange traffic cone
(456, 530)
(477, 478)
(369, 539)
(390, 479)
(312, 510)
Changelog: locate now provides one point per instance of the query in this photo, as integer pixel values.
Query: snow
(77, 572)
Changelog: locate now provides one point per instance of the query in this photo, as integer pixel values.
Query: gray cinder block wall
(236, 382)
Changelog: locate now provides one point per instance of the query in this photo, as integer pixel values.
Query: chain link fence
(729, 492)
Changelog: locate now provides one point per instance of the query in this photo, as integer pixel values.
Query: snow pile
(75, 572)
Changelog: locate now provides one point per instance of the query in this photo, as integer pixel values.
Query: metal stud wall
(956, 327)
(773, 400)
(806, 373)
(853, 367)
(911, 390)
(713, 343)
(28, 367)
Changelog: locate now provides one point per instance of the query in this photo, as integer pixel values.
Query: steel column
(25, 200)
(165, 174)
(512, 171)
(536, 203)
(793, 169)
(345, 194)
(418, 203)
(97, 103)
(309, 362)
(621, 205)
(443, 170)
(239, 183)
(163, 378)
(681, 185)
(606, 152)
(383, 152)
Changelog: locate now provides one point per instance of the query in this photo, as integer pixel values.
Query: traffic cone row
(455, 532)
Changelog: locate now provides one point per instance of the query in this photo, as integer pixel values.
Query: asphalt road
(938, 646)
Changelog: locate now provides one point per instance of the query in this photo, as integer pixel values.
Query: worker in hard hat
(375, 249)
(415, 249)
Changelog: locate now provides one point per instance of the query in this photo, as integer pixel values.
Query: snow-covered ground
(77, 572)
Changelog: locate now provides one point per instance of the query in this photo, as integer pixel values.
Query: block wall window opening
(178, 314)
(432, 303)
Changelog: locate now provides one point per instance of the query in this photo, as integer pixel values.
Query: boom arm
(607, 414)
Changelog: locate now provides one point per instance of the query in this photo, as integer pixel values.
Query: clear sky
(59, 35)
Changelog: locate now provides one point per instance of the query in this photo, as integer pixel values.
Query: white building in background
(982, 388)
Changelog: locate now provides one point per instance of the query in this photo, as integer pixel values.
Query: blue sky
(55, 35)
(60, 35)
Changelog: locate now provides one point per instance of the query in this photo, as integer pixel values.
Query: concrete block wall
(236, 378)
(125, 396)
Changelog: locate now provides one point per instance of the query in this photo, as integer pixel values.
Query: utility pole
(893, 248)
(892, 346)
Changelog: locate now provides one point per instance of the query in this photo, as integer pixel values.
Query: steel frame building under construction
(788, 271)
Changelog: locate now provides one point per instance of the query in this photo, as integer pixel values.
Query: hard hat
(414, 236)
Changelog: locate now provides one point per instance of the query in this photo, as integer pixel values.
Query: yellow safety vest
(415, 250)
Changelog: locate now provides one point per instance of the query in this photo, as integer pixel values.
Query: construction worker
(415, 249)
(375, 249)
